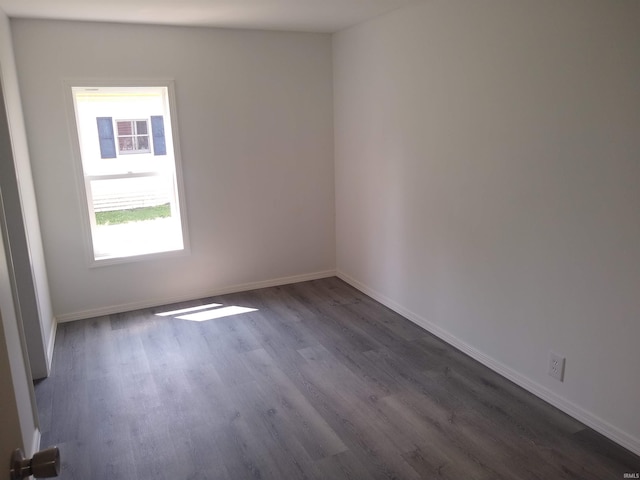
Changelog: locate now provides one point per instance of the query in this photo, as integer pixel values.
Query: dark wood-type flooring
(319, 382)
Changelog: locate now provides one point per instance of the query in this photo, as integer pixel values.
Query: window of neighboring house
(130, 171)
(133, 136)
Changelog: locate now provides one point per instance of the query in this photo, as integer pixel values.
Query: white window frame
(84, 192)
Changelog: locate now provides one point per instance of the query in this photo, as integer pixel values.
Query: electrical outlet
(556, 366)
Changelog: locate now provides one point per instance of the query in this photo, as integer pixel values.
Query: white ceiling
(296, 15)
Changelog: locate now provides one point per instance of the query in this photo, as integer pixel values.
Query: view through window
(129, 170)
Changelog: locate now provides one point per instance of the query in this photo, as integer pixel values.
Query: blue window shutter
(157, 129)
(107, 141)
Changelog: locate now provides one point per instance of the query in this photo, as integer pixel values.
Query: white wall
(487, 186)
(255, 125)
(34, 300)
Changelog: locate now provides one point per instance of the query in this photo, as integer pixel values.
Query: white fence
(124, 194)
(105, 203)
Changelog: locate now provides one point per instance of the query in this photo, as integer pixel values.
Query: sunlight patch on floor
(173, 313)
(202, 313)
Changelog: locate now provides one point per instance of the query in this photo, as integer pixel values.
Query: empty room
(341, 239)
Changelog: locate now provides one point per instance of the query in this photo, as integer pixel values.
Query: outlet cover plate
(556, 366)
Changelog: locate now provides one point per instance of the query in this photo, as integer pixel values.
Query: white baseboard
(35, 443)
(125, 307)
(598, 424)
(50, 344)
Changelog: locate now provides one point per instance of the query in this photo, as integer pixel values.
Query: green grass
(115, 217)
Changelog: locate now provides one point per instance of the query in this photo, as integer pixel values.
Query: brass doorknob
(44, 464)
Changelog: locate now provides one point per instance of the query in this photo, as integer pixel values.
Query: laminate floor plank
(210, 403)
(201, 447)
(347, 466)
(506, 411)
(110, 452)
(152, 436)
(244, 454)
(449, 441)
(100, 348)
(605, 450)
(337, 376)
(515, 416)
(330, 290)
(70, 409)
(353, 417)
(348, 418)
(75, 458)
(432, 462)
(131, 354)
(291, 331)
(314, 381)
(386, 318)
(269, 426)
(486, 380)
(357, 362)
(337, 330)
(225, 358)
(313, 432)
(281, 302)
(386, 337)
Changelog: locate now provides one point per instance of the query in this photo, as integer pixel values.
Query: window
(130, 170)
(133, 136)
